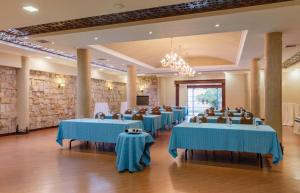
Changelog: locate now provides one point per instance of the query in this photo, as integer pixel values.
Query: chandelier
(174, 61)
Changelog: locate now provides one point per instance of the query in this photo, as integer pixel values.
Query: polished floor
(34, 163)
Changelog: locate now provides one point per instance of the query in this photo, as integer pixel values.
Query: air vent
(102, 59)
(43, 41)
(291, 46)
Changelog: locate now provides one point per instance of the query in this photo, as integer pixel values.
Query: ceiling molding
(122, 56)
(193, 7)
(292, 60)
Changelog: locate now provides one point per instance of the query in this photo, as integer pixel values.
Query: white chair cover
(101, 107)
(288, 116)
(123, 107)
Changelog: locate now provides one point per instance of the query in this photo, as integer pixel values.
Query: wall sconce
(109, 86)
(142, 89)
(61, 83)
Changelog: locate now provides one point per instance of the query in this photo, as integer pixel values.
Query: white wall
(45, 65)
(237, 89)
(291, 85)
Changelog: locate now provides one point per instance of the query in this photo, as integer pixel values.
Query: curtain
(288, 114)
(297, 119)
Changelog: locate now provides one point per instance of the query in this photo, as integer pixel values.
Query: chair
(211, 113)
(221, 119)
(193, 119)
(142, 111)
(230, 114)
(128, 111)
(137, 117)
(203, 119)
(117, 116)
(100, 115)
(246, 121)
(169, 109)
(156, 112)
(155, 108)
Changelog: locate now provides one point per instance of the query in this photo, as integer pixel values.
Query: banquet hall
(170, 96)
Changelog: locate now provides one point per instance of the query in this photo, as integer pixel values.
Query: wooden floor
(34, 163)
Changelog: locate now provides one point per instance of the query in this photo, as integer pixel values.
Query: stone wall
(50, 104)
(47, 103)
(149, 85)
(8, 99)
(111, 92)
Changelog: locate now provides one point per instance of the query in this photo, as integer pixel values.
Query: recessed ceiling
(198, 50)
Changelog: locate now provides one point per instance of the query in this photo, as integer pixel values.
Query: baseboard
(33, 130)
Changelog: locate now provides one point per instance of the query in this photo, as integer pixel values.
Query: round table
(133, 151)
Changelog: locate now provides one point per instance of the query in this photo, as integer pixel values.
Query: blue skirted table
(219, 114)
(94, 130)
(240, 138)
(185, 110)
(235, 120)
(167, 119)
(178, 115)
(151, 123)
(133, 151)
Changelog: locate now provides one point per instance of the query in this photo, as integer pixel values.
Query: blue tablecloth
(95, 130)
(219, 114)
(185, 110)
(133, 151)
(240, 138)
(232, 111)
(235, 120)
(167, 118)
(178, 115)
(151, 123)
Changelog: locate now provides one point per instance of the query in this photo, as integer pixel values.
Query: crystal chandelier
(174, 61)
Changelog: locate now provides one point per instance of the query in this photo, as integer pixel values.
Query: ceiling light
(199, 72)
(30, 9)
(100, 69)
(52, 43)
(217, 25)
(96, 38)
(150, 32)
(48, 57)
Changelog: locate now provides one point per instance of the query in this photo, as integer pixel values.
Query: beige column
(23, 95)
(273, 81)
(254, 92)
(83, 84)
(131, 87)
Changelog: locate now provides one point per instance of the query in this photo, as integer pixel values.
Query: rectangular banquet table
(219, 114)
(240, 138)
(178, 115)
(95, 130)
(151, 123)
(167, 119)
(235, 120)
(185, 110)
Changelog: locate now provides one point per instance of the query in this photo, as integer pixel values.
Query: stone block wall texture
(48, 104)
(111, 92)
(149, 84)
(8, 100)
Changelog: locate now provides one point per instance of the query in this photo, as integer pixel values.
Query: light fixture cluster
(174, 61)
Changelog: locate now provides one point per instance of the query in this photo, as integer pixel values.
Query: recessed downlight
(217, 25)
(52, 43)
(150, 32)
(96, 38)
(48, 57)
(30, 8)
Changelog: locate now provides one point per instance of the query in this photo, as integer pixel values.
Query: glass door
(202, 98)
